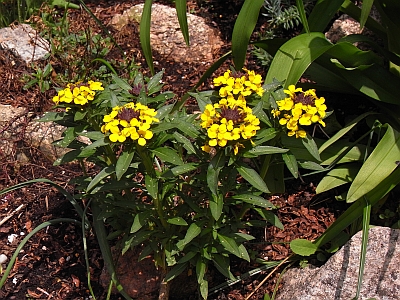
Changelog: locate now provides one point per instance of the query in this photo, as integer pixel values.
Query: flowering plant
(185, 188)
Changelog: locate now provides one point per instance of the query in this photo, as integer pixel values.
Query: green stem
(148, 164)
(267, 162)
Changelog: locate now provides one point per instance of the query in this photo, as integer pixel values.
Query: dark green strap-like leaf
(365, 10)
(26, 239)
(244, 26)
(105, 248)
(302, 13)
(180, 6)
(322, 14)
(379, 165)
(144, 34)
(294, 57)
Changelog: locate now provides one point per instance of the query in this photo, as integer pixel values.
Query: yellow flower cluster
(300, 108)
(239, 83)
(226, 121)
(79, 93)
(130, 120)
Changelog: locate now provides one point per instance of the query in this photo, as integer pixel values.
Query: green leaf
(180, 6)
(193, 231)
(310, 165)
(139, 220)
(121, 83)
(261, 150)
(379, 165)
(201, 268)
(365, 11)
(67, 157)
(123, 162)
(311, 146)
(216, 206)
(152, 186)
(270, 217)
(168, 155)
(244, 26)
(213, 170)
(303, 247)
(291, 163)
(322, 13)
(302, 13)
(254, 200)
(107, 171)
(266, 135)
(154, 85)
(243, 253)
(294, 57)
(179, 170)
(251, 176)
(187, 144)
(144, 34)
(343, 131)
(222, 264)
(177, 221)
(337, 177)
(229, 245)
(175, 271)
(356, 209)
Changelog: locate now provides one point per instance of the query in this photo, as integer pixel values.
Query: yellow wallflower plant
(300, 108)
(231, 121)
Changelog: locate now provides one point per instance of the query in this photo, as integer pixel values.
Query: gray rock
(16, 127)
(337, 279)
(24, 41)
(166, 36)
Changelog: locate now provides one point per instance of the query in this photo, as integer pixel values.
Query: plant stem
(164, 286)
(148, 164)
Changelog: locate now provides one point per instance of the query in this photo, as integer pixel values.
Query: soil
(51, 265)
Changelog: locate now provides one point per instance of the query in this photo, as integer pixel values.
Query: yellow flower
(226, 121)
(239, 83)
(79, 93)
(130, 120)
(300, 108)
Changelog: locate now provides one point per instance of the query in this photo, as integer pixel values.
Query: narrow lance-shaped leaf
(291, 163)
(168, 155)
(378, 166)
(216, 205)
(244, 26)
(123, 162)
(193, 231)
(151, 186)
(229, 244)
(251, 176)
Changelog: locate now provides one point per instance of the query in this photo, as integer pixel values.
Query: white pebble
(3, 258)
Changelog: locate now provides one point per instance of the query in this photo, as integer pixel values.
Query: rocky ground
(51, 265)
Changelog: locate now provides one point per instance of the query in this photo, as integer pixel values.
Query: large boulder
(166, 36)
(24, 41)
(337, 278)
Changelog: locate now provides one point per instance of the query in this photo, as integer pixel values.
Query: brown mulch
(51, 265)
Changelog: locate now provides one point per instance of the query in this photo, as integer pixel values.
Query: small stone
(3, 258)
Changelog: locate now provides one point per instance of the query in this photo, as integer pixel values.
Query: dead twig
(11, 214)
